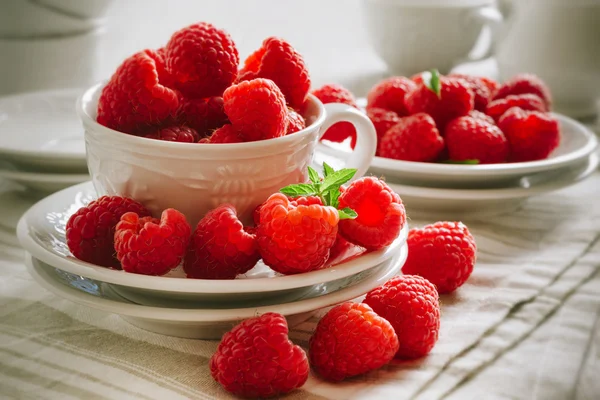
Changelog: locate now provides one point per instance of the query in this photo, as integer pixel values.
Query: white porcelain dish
(38, 181)
(198, 323)
(41, 232)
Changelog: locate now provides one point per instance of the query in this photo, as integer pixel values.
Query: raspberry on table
(484, 117)
(382, 119)
(134, 98)
(203, 115)
(528, 102)
(381, 214)
(225, 134)
(531, 135)
(389, 94)
(469, 138)
(333, 93)
(480, 88)
(444, 253)
(181, 134)
(413, 138)
(257, 359)
(411, 305)
(295, 236)
(525, 84)
(295, 122)
(202, 60)
(257, 108)
(150, 246)
(220, 248)
(279, 61)
(90, 231)
(351, 340)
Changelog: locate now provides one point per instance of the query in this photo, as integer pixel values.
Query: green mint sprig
(431, 79)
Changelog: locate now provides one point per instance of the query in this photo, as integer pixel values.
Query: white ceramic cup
(416, 35)
(195, 178)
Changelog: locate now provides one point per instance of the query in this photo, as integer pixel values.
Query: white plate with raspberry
(41, 232)
(204, 323)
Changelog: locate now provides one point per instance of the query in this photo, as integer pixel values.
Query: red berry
(351, 340)
(134, 98)
(525, 84)
(389, 94)
(529, 102)
(90, 232)
(491, 84)
(333, 93)
(202, 59)
(531, 135)
(278, 61)
(164, 76)
(225, 134)
(181, 134)
(444, 253)
(417, 78)
(203, 115)
(295, 237)
(257, 359)
(381, 214)
(382, 120)
(295, 122)
(475, 139)
(484, 117)
(257, 108)
(411, 305)
(413, 138)
(150, 246)
(480, 88)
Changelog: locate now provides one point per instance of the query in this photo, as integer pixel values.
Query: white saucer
(41, 130)
(40, 181)
(198, 323)
(41, 232)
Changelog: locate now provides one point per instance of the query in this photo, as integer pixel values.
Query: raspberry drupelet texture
(220, 247)
(151, 246)
(351, 340)
(134, 99)
(411, 305)
(333, 93)
(528, 102)
(181, 134)
(475, 139)
(202, 60)
(524, 84)
(444, 253)
(257, 359)
(413, 138)
(203, 115)
(225, 134)
(382, 119)
(484, 117)
(295, 122)
(390, 93)
(90, 231)
(481, 90)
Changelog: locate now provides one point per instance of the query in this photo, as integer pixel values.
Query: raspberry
(484, 117)
(389, 94)
(220, 247)
(531, 135)
(456, 100)
(90, 231)
(475, 139)
(491, 84)
(444, 253)
(411, 305)
(175, 134)
(381, 214)
(295, 122)
(351, 340)
(257, 359)
(257, 108)
(203, 115)
(298, 201)
(417, 78)
(278, 61)
(480, 90)
(528, 102)
(382, 120)
(524, 84)
(134, 99)
(164, 76)
(225, 134)
(333, 93)
(150, 246)
(202, 59)
(294, 237)
(413, 138)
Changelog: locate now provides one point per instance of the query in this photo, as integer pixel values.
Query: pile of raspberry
(458, 119)
(193, 90)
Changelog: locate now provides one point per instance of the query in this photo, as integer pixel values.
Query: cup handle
(366, 136)
(493, 18)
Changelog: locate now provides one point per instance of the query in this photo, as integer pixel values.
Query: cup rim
(87, 100)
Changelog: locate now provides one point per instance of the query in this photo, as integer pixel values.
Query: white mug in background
(416, 35)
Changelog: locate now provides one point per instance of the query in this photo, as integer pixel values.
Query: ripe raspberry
(298, 201)
(491, 84)
(444, 253)
(525, 84)
(225, 134)
(134, 99)
(295, 122)
(351, 340)
(528, 102)
(484, 117)
(381, 214)
(480, 90)
(257, 359)
(531, 135)
(257, 108)
(411, 305)
(294, 238)
(333, 93)
(389, 94)
(382, 119)
(164, 76)
(202, 59)
(203, 115)
(418, 78)
(413, 138)
(220, 247)
(90, 231)
(474, 139)
(175, 134)
(150, 246)
(278, 61)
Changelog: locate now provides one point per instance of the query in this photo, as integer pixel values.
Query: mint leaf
(431, 79)
(347, 213)
(300, 189)
(327, 170)
(333, 198)
(337, 179)
(314, 176)
(470, 162)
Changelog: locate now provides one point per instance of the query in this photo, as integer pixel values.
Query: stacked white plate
(193, 308)
(42, 145)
